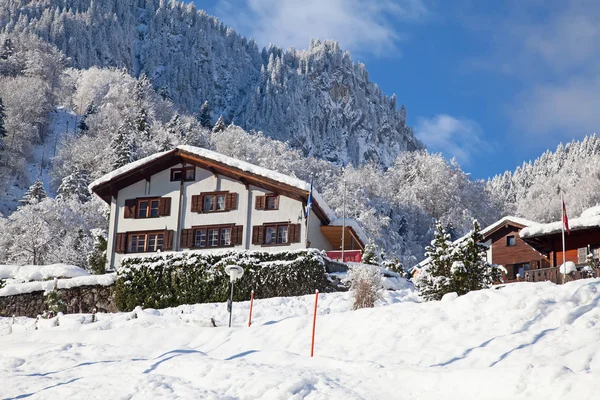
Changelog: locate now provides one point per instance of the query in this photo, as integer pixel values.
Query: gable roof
(249, 174)
(488, 230)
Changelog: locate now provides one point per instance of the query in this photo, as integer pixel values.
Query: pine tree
(97, 258)
(75, 185)
(434, 280)
(370, 254)
(219, 126)
(3, 132)
(54, 302)
(175, 129)
(123, 147)
(141, 124)
(205, 115)
(34, 194)
(471, 271)
(82, 126)
(165, 144)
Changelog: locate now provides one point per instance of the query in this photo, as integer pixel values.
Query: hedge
(173, 279)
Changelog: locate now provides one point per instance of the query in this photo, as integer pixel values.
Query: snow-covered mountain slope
(317, 100)
(536, 341)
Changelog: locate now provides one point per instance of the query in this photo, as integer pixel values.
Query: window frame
(148, 200)
(508, 241)
(146, 236)
(215, 196)
(275, 198)
(183, 171)
(206, 229)
(276, 226)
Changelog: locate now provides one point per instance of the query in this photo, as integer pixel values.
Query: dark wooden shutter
(294, 233)
(231, 201)
(164, 206)
(187, 238)
(121, 243)
(238, 237)
(168, 240)
(260, 203)
(130, 208)
(258, 234)
(196, 203)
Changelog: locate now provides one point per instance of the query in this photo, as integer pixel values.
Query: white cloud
(460, 138)
(361, 26)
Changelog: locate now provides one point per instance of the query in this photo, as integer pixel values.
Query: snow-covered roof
(223, 159)
(354, 225)
(589, 218)
(484, 231)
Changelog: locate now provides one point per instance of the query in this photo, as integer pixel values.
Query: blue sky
(492, 83)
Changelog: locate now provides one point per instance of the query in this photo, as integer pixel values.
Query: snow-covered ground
(524, 340)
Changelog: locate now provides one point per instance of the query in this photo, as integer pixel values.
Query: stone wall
(82, 299)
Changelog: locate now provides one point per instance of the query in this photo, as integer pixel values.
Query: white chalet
(190, 198)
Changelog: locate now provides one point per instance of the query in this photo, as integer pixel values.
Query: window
(276, 234)
(145, 242)
(148, 208)
(510, 240)
(272, 202)
(213, 202)
(213, 236)
(186, 174)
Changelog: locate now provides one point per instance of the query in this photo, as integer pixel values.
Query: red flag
(565, 218)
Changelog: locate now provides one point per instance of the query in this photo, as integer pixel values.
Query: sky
(491, 83)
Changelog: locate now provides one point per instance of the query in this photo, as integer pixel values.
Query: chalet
(505, 247)
(190, 198)
(583, 239)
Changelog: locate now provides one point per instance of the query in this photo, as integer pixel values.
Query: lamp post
(235, 272)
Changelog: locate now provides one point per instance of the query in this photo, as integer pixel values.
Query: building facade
(191, 198)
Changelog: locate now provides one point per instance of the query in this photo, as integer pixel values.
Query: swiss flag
(565, 218)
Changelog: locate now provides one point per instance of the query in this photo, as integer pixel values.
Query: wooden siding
(574, 241)
(520, 253)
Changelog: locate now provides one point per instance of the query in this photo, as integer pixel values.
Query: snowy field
(537, 341)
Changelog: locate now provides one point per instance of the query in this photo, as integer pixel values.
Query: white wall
(160, 185)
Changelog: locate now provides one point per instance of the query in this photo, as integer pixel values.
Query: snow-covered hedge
(28, 273)
(172, 279)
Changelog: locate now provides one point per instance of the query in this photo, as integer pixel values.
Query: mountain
(318, 100)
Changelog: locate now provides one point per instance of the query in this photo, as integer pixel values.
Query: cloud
(460, 138)
(361, 26)
(550, 50)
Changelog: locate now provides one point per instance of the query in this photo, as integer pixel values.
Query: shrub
(172, 279)
(53, 302)
(366, 285)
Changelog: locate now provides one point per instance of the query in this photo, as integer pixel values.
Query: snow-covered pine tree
(123, 147)
(370, 255)
(434, 279)
(175, 128)
(204, 116)
(219, 126)
(3, 132)
(34, 194)
(75, 186)
(97, 258)
(470, 270)
(165, 144)
(54, 302)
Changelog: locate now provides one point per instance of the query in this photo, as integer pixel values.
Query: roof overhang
(107, 189)
(334, 235)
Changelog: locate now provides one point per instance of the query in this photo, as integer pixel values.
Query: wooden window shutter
(258, 234)
(277, 202)
(168, 240)
(238, 237)
(187, 238)
(260, 202)
(164, 206)
(294, 233)
(231, 201)
(196, 203)
(121, 243)
(130, 208)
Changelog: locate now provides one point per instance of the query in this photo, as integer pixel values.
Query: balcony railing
(553, 274)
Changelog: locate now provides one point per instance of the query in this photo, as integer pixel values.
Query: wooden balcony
(553, 275)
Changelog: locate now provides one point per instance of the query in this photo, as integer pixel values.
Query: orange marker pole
(251, 301)
(312, 346)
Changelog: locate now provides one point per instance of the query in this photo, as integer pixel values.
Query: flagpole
(308, 211)
(344, 220)
(562, 224)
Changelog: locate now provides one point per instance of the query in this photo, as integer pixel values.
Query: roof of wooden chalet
(248, 174)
